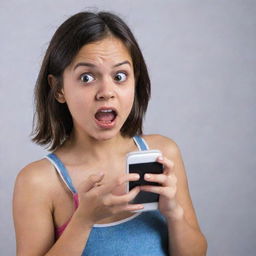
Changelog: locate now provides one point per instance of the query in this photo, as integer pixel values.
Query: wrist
(82, 219)
(175, 214)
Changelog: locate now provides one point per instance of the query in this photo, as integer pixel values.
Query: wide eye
(120, 77)
(86, 78)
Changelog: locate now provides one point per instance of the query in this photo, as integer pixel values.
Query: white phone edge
(135, 157)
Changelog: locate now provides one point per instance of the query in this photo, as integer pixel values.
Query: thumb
(89, 183)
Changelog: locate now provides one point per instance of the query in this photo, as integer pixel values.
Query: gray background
(201, 56)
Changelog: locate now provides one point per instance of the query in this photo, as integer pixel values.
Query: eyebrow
(87, 64)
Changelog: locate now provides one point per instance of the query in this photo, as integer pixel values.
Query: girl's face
(98, 87)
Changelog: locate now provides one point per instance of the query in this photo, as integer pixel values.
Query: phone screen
(142, 168)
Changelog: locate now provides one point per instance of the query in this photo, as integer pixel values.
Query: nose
(105, 91)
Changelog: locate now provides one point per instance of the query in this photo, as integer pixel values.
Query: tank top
(143, 234)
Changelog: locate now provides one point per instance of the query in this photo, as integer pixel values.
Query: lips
(105, 117)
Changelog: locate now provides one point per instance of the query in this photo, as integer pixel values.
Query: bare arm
(185, 237)
(33, 207)
(32, 212)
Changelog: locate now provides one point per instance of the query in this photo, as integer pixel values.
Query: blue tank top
(143, 234)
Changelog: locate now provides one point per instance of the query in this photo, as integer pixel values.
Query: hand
(168, 205)
(96, 200)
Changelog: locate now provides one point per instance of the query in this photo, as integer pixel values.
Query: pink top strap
(59, 230)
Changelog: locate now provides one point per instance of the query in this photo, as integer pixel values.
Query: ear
(59, 94)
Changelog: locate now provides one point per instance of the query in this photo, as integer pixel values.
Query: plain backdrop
(201, 57)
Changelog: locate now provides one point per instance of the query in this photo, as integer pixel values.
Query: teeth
(106, 110)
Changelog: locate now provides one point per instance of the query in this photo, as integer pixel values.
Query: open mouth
(106, 116)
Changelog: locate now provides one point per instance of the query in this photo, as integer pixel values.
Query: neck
(85, 147)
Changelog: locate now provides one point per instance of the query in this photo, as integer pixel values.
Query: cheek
(129, 97)
(128, 103)
(78, 104)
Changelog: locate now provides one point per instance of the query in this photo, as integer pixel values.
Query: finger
(128, 207)
(109, 187)
(167, 163)
(91, 182)
(164, 180)
(128, 177)
(122, 200)
(168, 192)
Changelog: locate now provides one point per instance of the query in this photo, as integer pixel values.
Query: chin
(105, 135)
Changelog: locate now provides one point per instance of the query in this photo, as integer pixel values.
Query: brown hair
(52, 123)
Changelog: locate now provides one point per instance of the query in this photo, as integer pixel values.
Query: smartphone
(142, 162)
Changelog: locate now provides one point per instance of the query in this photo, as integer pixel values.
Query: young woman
(91, 95)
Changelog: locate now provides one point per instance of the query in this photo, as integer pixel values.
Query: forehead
(108, 50)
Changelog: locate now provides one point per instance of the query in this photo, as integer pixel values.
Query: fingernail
(136, 176)
(147, 176)
(138, 207)
(160, 158)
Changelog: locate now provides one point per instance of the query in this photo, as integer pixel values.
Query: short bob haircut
(52, 123)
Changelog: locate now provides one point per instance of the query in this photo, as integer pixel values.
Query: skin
(95, 159)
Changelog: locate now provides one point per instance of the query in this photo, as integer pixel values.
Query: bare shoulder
(36, 176)
(166, 145)
(33, 208)
(36, 172)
